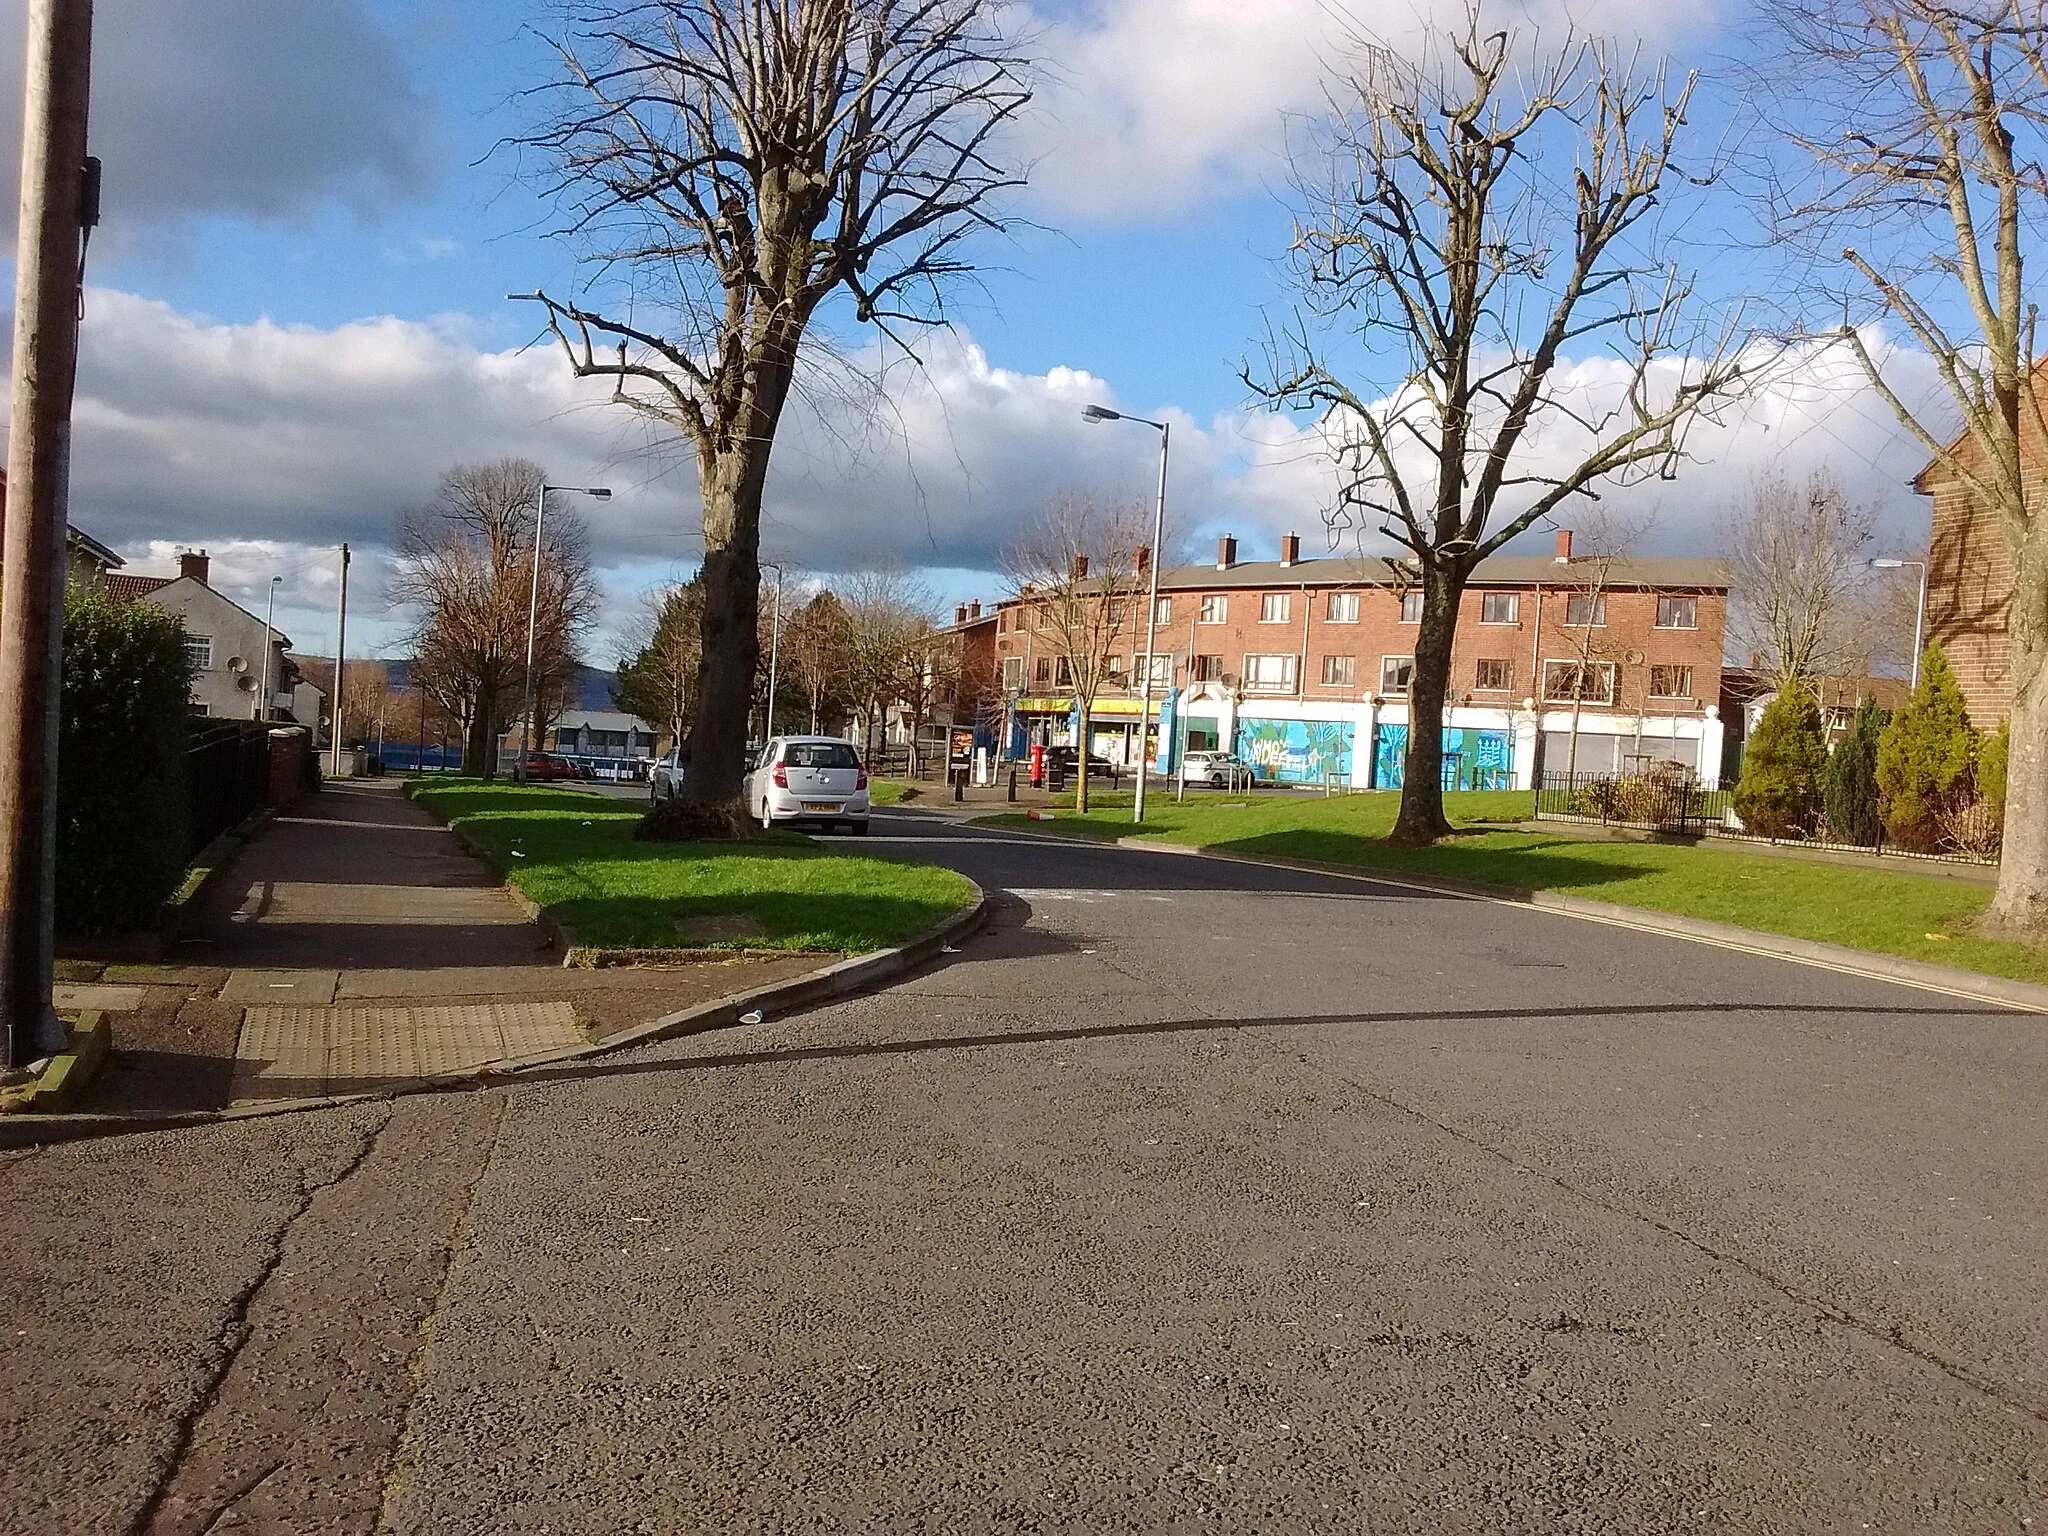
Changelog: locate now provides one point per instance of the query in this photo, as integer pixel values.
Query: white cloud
(270, 444)
(1154, 106)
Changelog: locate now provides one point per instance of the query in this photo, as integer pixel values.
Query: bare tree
(1079, 570)
(741, 161)
(1466, 222)
(817, 644)
(1922, 121)
(1798, 577)
(931, 672)
(886, 612)
(465, 565)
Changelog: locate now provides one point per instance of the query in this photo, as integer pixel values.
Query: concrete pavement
(1190, 1196)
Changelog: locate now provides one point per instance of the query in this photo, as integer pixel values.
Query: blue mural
(1297, 751)
(1472, 759)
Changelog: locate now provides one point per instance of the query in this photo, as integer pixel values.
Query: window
(1396, 673)
(1585, 682)
(1117, 607)
(1208, 669)
(1343, 608)
(1215, 608)
(1044, 671)
(1113, 671)
(820, 754)
(1671, 682)
(1678, 613)
(1583, 608)
(1494, 676)
(1269, 674)
(1062, 674)
(1338, 672)
(1013, 674)
(1161, 669)
(1411, 607)
(199, 652)
(1500, 608)
(1273, 608)
(1002, 623)
(1162, 611)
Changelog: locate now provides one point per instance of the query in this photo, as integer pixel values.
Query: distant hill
(593, 684)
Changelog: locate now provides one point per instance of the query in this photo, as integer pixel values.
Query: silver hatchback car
(665, 778)
(809, 778)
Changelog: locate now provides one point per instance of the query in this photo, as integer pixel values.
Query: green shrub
(1924, 758)
(1780, 791)
(1994, 752)
(1850, 790)
(121, 818)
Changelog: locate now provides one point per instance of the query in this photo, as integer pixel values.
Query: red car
(543, 766)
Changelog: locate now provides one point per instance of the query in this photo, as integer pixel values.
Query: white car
(809, 778)
(1218, 770)
(665, 778)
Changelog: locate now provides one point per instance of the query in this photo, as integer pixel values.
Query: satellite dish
(1632, 657)
(237, 664)
(246, 683)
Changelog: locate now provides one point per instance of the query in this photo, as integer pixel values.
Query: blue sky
(298, 316)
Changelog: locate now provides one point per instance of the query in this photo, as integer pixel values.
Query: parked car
(1218, 770)
(809, 778)
(542, 767)
(665, 778)
(1099, 766)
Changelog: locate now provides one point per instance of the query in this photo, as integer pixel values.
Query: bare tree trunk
(481, 758)
(1422, 820)
(1081, 757)
(2019, 908)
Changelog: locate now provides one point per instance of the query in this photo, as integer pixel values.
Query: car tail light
(861, 779)
(781, 777)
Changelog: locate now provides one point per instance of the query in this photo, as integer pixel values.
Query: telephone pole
(55, 213)
(340, 649)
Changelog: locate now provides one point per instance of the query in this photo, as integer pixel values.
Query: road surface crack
(235, 1331)
(1889, 1336)
(416, 1368)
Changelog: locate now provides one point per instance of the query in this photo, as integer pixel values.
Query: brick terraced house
(1303, 666)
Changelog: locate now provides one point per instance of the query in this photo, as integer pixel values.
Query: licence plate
(821, 805)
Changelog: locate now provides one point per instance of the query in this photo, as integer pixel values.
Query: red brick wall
(1629, 639)
(1969, 585)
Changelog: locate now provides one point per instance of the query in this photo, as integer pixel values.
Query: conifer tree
(1924, 758)
(1780, 792)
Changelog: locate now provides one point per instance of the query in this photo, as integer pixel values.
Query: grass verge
(574, 855)
(1917, 917)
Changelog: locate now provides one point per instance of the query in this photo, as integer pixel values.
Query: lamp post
(1919, 608)
(774, 651)
(540, 512)
(1103, 413)
(269, 645)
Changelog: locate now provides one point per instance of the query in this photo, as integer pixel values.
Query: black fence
(1651, 802)
(227, 776)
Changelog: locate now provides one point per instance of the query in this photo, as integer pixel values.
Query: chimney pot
(1564, 546)
(193, 564)
(1290, 549)
(959, 613)
(1080, 568)
(1226, 552)
(974, 609)
(1143, 562)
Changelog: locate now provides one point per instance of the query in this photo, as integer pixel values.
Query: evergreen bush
(1924, 759)
(121, 806)
(1780, 791)
(1994, 752)
(1849, 791)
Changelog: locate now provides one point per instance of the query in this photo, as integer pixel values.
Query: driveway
(1189, 1196)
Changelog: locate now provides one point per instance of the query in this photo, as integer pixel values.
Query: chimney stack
(193, 564)
(1143, 562)
(959, 613)
(1080, 568)
(1226, 553)
(974, 610)
(1290, 549)
(1564, 546)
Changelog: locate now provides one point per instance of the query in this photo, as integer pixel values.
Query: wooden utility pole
(47, 295)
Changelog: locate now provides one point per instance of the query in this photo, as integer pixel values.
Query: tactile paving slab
(291, 1053)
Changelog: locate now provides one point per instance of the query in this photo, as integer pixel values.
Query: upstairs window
(1396, 674)
(1678, 613)
(1493, 675)
(1273, 608)
(1583, 608)
(1500, 608)
(1207, 669)
(1343, 608)
(1671, 682)
(1215, 608)
(199, 652)
(1162, 611)
(1338, 672)
(1269, 674)
(1411, 607)
(1583, 682)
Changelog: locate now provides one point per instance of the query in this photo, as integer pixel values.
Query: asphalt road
(1188, 1197)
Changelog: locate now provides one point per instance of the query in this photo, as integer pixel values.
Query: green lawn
(892, 791)
(1897, 914)
(573, 854)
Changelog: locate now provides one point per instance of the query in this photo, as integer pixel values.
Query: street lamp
(774, 649)
(540, 512)
(269, 645)
(1103, 413)
(1919, 608)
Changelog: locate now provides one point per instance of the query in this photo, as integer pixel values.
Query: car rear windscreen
(820, 754)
